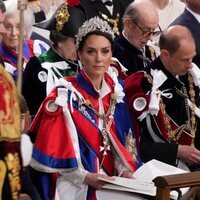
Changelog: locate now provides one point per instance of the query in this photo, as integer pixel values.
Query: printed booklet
(142, 182)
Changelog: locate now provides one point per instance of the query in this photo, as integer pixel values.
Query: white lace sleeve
(119, 165)
(77, 176)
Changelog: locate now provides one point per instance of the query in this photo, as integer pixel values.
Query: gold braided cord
(192, 98)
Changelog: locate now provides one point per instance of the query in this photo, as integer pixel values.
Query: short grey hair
(131, 12)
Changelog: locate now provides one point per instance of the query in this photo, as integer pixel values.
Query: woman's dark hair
(56, 37)
(96, 32)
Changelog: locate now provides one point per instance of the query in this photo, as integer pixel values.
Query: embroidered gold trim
(130, 145)
(10, 117)
(152, 53)
(149, 78)
(62, 17)
(190, 124)
(192, 98)
(13, 165)
(2, 176)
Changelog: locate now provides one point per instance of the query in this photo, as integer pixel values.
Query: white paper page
(107, 194)
(143, 179)
(154, 168)
(125, 189)
(140, 186)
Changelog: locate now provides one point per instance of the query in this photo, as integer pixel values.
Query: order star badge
(105, 148)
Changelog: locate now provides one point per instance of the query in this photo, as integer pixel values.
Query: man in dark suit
(165, 99)
(140, 22)
(191, 19)
(109, 10)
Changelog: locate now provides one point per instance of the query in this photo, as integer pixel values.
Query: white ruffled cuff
(195, 72)
(77, 176)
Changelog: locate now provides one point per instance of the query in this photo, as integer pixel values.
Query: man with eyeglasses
(140, 24)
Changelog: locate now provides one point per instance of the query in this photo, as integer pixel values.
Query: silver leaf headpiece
(91, 25)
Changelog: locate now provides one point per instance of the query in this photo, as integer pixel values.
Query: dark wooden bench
(165, 184)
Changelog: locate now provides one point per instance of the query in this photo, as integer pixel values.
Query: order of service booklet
(142, 182)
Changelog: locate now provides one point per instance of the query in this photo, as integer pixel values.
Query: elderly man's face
(138, 33)
(2, 18)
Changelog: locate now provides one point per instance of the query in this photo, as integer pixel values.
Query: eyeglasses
(148, 33)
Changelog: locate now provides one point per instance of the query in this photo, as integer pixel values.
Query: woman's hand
(127, 174)
(92, 180)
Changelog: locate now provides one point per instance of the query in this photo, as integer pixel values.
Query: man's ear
(127, 23)
(164, 54)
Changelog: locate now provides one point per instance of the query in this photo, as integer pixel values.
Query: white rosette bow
(158, 79)
(61, 100)
(118, 90)
(51, 77)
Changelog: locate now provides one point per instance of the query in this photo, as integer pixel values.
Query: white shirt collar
(105, 89)
(197, 16)
(123, 33)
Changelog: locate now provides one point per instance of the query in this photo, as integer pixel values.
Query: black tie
(108, 3)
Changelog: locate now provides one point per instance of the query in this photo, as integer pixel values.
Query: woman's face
(67, 48)
(11, 36)
(96, 55)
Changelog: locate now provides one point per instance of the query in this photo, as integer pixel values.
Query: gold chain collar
(106, 125)
(112, 22)
(190, 124)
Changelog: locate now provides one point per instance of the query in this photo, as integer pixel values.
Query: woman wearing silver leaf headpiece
(83, 127)
(41, 73)
(110, 11)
